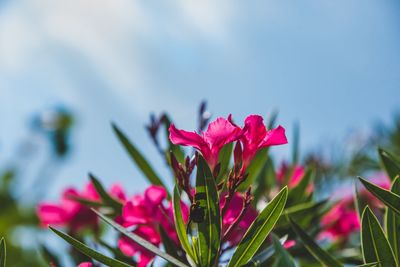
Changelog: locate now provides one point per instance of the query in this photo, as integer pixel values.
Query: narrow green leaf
(359, 202)
(255, 168)
(319, 254)
(296, 144)
(224, 159)
(137, 157)
(390, 199)
(393, 223)
(208, 230)
(375, 246)
(265, 180)
(49, 256)
(180, 156)
(180, 225)
(86, 202)
(264, 255)
(368, 265)
(259, 230)
(104, 195)
(3, 253)
(168, 244)
(299, 193)
(89, 251)
(302, 213)
(389, 162)
(284, 259)
(140, 241)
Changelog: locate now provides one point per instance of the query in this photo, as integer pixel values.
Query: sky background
(332, 66)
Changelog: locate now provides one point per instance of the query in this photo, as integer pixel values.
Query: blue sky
(331, 65)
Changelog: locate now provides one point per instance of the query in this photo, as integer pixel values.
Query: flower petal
(181, 137)
(275, 137)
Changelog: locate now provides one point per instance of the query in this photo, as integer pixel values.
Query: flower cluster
(252, 137)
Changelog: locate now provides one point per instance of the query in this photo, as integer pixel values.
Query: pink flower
(296, 177)
(85, 264)
(257, 137)
(219, 133)
(340, 222)
(289, 243)
(69, 212)
(298, 173)
(235, 207)
(147, 213)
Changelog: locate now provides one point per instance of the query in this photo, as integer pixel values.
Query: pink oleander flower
(219, 133)
(235, 207)
(289, 244)
(69, 212)
(85, 264)
(296, 177)
(298, 173)
(147, 213)
(340, 222)
(256, 136)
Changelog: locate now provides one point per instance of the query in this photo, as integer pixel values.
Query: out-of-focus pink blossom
(256, 136)
(69, 212)
(298, 173)
(147, 213)
(219, 133)
(85, 264)
(289, 243)
(235, 207)
(340, 222)
(296, 177)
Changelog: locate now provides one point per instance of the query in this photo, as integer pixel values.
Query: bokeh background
(330, 65)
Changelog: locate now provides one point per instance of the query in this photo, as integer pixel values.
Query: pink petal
(155, 194)
(51, 214)
(118, 192)
(221, 132)
(275, 137)
(181, 137)
(90, 192)
(255, 129)
(85, 264)
(127, 246)
(134, 214)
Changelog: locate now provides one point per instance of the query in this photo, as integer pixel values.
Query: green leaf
(209, 230)
(302, 213)
(137, 157)
(284, 259)
(180, 225)
(368, 265)
(265, 180)
(168, 244)
(49, 256)
(105, 197)
(224, 159)
(3, 253)
(389, 162)
(255, 168)
(180, 156)
(321, 255)
(264, 255)
(390, 199)
(359, 202)
(140, 241)
(299, 192)
(89, 251)
(393, 224)
(259, 230)
(296, 144)
(375, 246)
